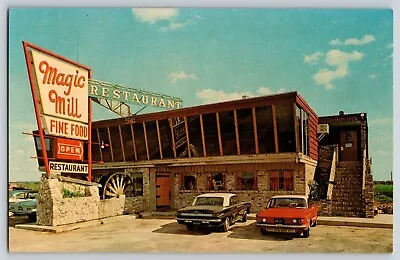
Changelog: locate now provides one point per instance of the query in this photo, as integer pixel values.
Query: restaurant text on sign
(68, 167)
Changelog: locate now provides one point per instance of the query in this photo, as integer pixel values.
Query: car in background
(20, 195)
(22, 202)
(288, 214)
(214, 210)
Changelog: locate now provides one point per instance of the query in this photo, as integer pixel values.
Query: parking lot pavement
(160, 235)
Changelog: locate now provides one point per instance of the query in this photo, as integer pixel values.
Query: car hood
(202, 209)
(283, 213)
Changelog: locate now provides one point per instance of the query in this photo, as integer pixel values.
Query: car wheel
(189, 227)
(306, 233)
(225, 226)
(244, 219)
(314, 224)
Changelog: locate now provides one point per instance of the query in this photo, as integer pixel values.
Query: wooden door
(162, 191)
(348, 146)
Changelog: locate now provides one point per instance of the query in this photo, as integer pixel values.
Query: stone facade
(259, 197)
(324, 208)
(54, 210)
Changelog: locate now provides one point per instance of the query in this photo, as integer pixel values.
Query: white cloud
(175, 76)
(153, 15)
(172, 27)
(354, 41)
(340, 60)
(213, 96)
(313, 58)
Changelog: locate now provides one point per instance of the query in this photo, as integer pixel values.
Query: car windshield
(218, 201)
(287, 203)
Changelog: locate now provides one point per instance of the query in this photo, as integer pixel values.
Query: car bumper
(200, 222)
(282, 228)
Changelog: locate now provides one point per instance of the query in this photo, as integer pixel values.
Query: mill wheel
(116, 185)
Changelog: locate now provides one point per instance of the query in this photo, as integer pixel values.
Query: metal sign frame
(34, 89)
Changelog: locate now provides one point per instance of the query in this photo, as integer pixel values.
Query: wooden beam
(173, 136)
(275, 129)
(133, 142)
(187, 137)
(221, 152)
(236, 132)
(145, 140)
(109, 141)
(203, 140)
(122, 143)
(253, 110)
(296, 128)
(99, 141)
(159, 139)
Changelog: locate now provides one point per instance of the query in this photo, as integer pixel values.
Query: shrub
(69, 194)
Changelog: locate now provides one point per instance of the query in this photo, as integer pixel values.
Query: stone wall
(324, 208)
(53, 209)
(369, 196)
(134, 205)
(112, 207)
(258, 197)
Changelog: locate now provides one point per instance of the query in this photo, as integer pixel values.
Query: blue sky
(336, 59)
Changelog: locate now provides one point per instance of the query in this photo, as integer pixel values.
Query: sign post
(60, 94)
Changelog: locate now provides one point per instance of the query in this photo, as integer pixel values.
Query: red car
(288, 214)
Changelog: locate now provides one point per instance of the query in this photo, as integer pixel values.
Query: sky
(336, 59)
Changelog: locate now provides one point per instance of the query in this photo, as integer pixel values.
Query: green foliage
(383, 189)
(314, 191)
(70, 194)
(382, 198)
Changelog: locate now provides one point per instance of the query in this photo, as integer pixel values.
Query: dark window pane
(211, 134)
(166, 139)
(284, 121)
(194, 129)
(139, 141)
(116, 144)
(152, 139)
(228, 136)
(265, 130)
(246, 131)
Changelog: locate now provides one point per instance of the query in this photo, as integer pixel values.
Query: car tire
(306, 233)
(314, 224)
(244, 218)
(225, 226)
(189, 227)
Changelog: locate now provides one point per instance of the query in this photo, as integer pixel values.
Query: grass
(383, 192)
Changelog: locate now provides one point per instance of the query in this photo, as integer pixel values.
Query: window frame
(281, 180)
(239, 181)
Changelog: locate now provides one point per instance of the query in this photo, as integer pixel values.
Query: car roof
(217, 194)
(290, 197)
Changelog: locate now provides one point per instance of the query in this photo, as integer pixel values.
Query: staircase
(347, 192)
(179, 131)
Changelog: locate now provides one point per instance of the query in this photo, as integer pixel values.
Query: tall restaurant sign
(60, 93)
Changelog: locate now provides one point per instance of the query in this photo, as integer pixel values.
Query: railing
(332, 174)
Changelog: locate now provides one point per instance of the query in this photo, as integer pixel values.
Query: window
(137, 182)
(246, 181)
(233, 200)
(281, 180)
(188, 182)
(216, 181)
(303, 134)
(285, 128)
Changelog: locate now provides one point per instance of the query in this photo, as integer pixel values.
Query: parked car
(21, 195)
(25, 207)
(214, 210)
(288, 214)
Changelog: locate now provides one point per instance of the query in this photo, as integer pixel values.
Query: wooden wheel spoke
(111, 188)
(117, 184)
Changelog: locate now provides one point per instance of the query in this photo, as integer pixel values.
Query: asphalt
(379, 221)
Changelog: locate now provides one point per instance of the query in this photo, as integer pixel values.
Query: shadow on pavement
(175, 228)
(252, 232)
(15, 220)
